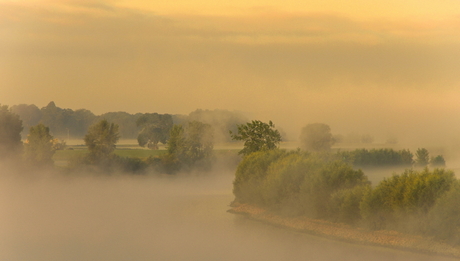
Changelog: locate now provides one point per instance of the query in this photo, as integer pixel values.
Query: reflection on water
(122, 218)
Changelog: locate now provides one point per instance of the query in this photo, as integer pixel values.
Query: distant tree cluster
(390, 157)
(377, 157)
(65, 123)
(189, 143)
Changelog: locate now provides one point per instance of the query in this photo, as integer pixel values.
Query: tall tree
(438, 161)
(190, 145)
(39, 149)
(422, 157)
(257, 136)
(316, 137)
(101, 139)
(155, 129)
(199, 138)
(221, 121)
(29, 114)
(10, 133)
(127, 122)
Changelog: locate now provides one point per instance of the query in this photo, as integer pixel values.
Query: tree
(155, 129)
(127, 122)
(221, 121)
(438, 161)
(39, 146)
(101, 139)
(190, 145)
(29, 114)
(316, 137)
(257, 136)
(422, 157)
(10, 133)
(199, 137)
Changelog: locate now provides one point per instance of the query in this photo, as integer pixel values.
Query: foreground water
(138, 218)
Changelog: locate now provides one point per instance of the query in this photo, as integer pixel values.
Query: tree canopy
(39, 149)
(101, 139)
(10, 132)
(191, 145)
(422, 157)
(316, 137)
(155, 129)
(221, 121)
(257, 136)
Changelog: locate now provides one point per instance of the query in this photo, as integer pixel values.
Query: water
(126, 218)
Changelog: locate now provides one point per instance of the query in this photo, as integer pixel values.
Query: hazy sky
(364, 66)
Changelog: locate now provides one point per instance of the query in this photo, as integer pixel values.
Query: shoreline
(344, 232)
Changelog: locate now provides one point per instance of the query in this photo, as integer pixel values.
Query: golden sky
(363, 66)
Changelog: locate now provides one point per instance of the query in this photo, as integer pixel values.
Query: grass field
(129, 148)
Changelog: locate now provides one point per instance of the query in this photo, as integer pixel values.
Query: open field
(130, 148)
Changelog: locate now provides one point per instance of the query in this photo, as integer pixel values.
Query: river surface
(151, 218)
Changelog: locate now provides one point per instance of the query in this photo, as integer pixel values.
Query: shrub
(294, 183)
(444, 218)
(319, 185)
(250, 174)
(344, 204)
(438, 161)
(410, 194)
(281, 187)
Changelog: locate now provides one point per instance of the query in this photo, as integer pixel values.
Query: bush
(294, 183)
(444, 218)
(318, 186)
(250, 174)
(281, 187)
(402, 196)
(438, 161)
(344, 204)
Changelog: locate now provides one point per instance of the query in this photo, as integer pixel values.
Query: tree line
(148, 128)
(189, 144)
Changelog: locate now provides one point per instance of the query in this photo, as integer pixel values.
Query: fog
(387, 69)
(54, 217)
(357, 67)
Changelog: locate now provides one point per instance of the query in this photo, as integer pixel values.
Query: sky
(378, 67)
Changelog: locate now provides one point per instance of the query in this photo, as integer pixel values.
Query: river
(150, 218)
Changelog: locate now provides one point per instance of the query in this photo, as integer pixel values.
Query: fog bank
(146, 218)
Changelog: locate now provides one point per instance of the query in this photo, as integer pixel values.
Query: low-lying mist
(56, 217)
